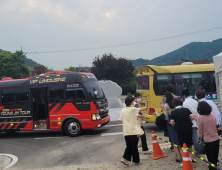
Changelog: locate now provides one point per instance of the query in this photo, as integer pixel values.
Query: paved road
(50, 149)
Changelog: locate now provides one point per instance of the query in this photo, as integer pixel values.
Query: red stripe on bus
(4, 126)
(16, 126)
(9, 127)
(1, 107)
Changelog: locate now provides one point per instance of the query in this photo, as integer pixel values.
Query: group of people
(187, 122)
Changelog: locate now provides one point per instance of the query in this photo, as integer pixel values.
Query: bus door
(40, 114)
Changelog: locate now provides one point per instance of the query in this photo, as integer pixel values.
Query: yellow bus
(151, 81)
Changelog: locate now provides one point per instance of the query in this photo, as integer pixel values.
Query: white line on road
(114, 125)
(111, 134)
(13, 162)
(48, 137)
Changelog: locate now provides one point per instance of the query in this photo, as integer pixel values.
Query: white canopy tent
(218, 78)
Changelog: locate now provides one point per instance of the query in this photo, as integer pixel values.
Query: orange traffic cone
(157, 153)
(186, 159)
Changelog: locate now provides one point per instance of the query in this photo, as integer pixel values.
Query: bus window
(80, 95)
(75, 95)
(71, 95)
(199, 81)
(161, 81)
(8, 97)
(143, 83)
(212, 84)
(56, 93)
(182, 81)
(22, 95)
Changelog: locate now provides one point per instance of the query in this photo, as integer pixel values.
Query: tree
(40, 69)
(111, 68)
(13, 65)
(71, 68)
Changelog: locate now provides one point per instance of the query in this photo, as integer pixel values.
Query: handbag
(160, 121)
(201, 147)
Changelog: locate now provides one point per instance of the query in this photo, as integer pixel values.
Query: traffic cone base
(157, 152)
(186, 159)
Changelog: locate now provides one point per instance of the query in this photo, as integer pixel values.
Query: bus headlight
(93, 117)
(96, 117)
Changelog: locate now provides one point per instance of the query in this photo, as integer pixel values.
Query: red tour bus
(64, 101)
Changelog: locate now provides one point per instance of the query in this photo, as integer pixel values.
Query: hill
(29, 62)
(197, 51)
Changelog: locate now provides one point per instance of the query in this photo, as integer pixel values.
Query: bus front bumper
(101, 123)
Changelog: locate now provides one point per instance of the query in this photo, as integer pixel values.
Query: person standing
(208, 132)
(180, 118)
(131, 131)
(200, 95)
(168, 108)
(191, 104)
(142, 140)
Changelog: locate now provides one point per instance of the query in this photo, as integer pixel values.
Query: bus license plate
(106, 120)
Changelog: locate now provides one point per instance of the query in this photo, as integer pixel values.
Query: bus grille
(103, 114)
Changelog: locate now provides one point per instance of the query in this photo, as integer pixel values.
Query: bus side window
(56, 93)
(80, 95)
(200, 81)
(8, 96)
(75, 95)
(71, 95)
(22, 95)
(212, 84)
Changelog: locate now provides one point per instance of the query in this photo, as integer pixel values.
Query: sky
(63, 33)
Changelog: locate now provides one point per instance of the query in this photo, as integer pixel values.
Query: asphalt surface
(49, 149)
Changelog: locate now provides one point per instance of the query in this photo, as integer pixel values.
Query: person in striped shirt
(200, 95)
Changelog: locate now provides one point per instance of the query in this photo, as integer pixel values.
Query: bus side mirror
(96, 94)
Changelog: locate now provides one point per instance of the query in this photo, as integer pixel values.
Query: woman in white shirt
(131, 131)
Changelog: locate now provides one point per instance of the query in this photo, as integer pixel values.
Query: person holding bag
(208, 132)
(131, 131)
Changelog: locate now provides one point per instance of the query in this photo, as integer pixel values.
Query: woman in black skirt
(180, 118)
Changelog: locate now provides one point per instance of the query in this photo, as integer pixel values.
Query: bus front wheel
(73, 128)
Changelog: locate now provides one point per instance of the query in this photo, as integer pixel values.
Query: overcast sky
(60, 25)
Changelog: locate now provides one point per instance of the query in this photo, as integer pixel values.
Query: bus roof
(47, 78)
(175, 68)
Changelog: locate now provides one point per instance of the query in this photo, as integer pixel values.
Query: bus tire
(73, 128)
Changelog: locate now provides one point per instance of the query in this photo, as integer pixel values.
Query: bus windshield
(93, 86)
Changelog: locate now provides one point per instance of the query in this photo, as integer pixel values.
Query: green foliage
(13, 65)
(129, 94)
(132, 81)
(197, 51)
(112, 68)
(71, 68)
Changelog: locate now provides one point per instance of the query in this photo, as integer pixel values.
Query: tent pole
(218, 93)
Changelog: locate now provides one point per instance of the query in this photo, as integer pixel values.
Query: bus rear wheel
(73, 128)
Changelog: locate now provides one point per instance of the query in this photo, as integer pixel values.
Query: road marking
(48, 137)
(111, 134)
(114, 125)
(13, 162)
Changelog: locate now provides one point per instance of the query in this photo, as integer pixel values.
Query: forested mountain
(197, 51)
(31, 63)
